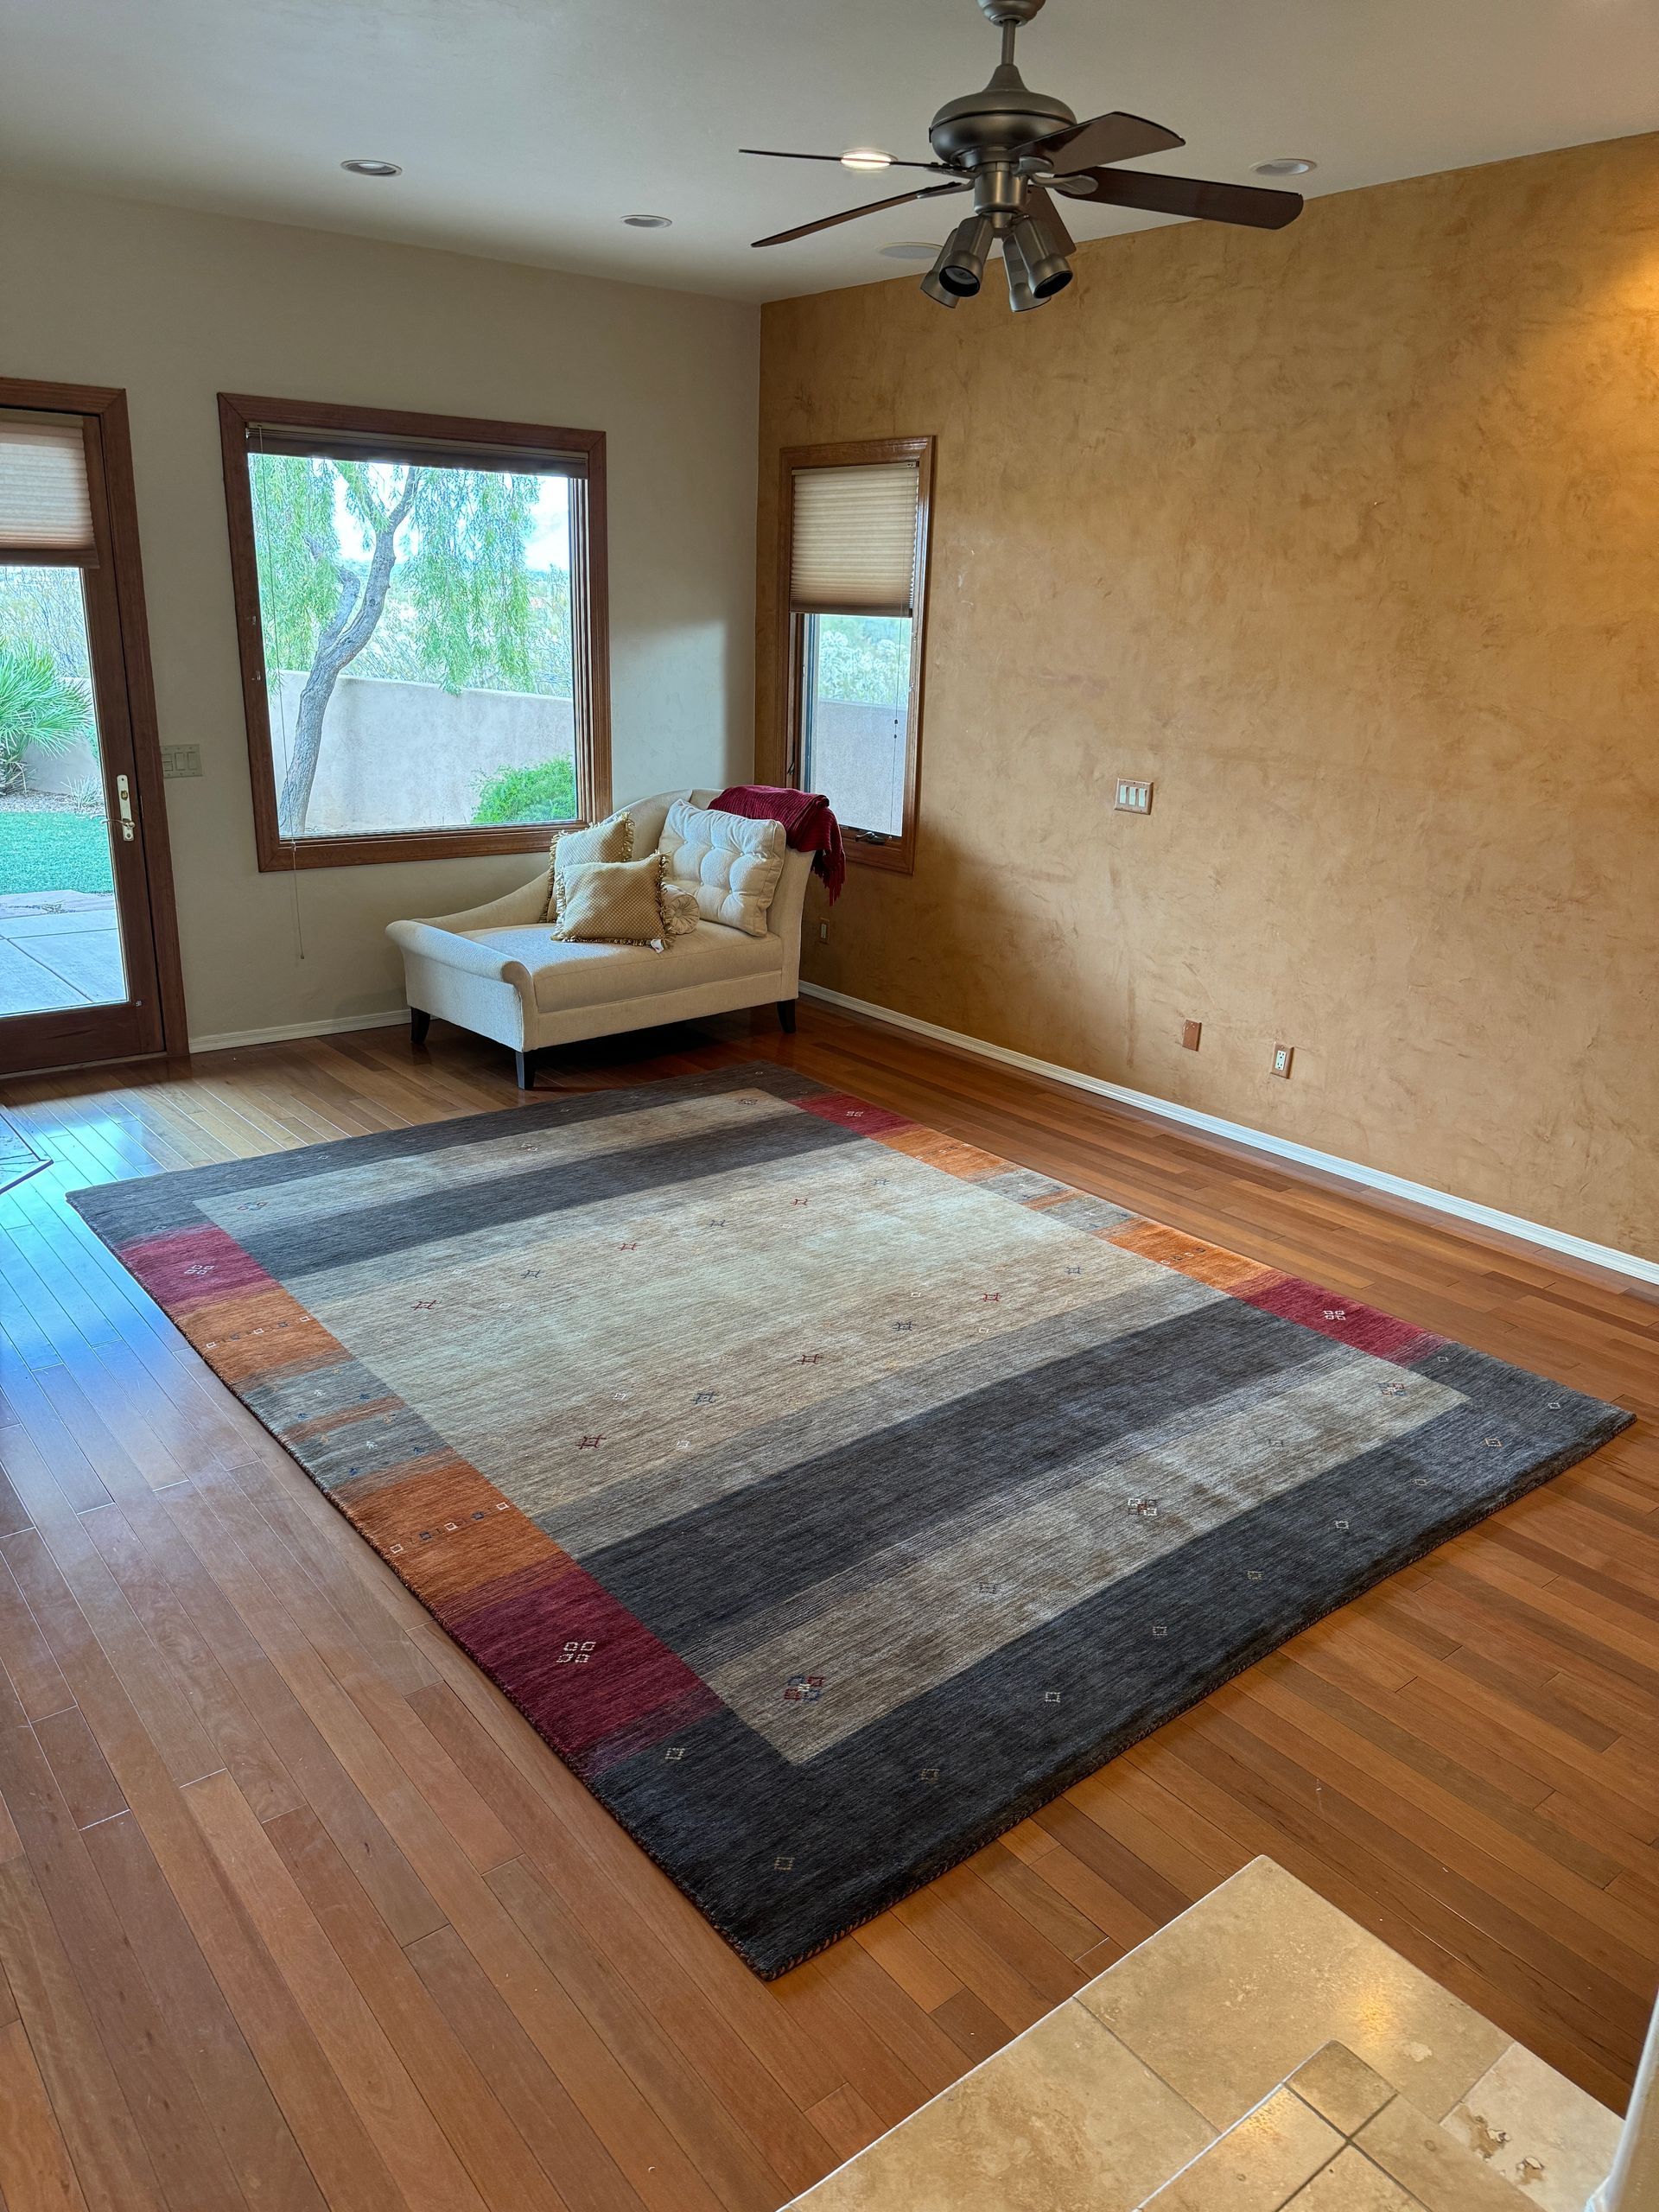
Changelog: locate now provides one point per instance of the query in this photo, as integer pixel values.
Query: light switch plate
(181, 761)
(1132, 798)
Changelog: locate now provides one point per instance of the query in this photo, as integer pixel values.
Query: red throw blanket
(808, 824)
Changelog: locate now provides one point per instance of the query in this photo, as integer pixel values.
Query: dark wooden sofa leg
(525, 1066)
(787, 1016)
(419, 1023)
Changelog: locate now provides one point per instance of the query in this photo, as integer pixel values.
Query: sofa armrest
(784, 921)
(527, 904)
(431, 941)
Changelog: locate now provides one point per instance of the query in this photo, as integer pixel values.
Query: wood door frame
(115, 509)
(238, 411)
(897, 855)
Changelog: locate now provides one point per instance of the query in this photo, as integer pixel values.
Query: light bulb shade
(935, 290)
(1031, 246)
(961, 267)
(1021, 298)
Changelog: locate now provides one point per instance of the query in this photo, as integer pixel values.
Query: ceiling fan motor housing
(1007, 113)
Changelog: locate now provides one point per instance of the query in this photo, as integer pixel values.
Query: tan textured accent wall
(1350, 537)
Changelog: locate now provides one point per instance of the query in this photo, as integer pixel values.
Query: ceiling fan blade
(852, 215)
(771, 154)
(1252, 203)
(1114, 138)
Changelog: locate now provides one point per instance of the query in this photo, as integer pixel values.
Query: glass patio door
(78, 964)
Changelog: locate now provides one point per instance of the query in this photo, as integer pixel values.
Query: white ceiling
(528, 129)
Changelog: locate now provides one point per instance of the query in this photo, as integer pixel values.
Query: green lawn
(53, 852)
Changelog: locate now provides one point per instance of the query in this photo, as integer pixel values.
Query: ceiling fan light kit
(1011, 148)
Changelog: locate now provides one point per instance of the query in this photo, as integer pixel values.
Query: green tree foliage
(864, 658)
(445, 577)
(546, 792)
(299, 554)
(40, 710)
(45, 608)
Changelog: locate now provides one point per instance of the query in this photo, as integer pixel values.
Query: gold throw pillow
(613, 902)
(610, 839)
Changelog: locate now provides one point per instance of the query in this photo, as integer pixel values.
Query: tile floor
(1116, 2090)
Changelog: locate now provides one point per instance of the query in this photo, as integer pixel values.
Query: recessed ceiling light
(365, 168)
(865, 157)
(1285, 165)
(649, 222)
(909, 249)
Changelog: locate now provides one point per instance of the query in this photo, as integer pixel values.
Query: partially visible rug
(828, 1493)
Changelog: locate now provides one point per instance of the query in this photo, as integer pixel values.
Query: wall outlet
(1282, 1056)
(823, 932)
(1132, 798)
(181, 761)
(1191, 1032)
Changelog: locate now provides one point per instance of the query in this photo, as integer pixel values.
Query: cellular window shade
(853, 539)
(46, 507)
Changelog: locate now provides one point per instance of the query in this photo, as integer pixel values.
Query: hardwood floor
(296, 1911)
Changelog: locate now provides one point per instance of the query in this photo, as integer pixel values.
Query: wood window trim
(589, 624)
(896, 855)
(115, 508)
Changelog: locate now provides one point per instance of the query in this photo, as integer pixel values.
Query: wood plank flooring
(296, 1911)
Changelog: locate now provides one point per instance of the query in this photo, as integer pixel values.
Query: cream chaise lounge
(499, 969)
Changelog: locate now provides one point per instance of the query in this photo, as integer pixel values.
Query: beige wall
(1350, 537)
(176, 307)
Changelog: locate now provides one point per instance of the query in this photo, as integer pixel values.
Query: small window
(855, 562)
(422, 609)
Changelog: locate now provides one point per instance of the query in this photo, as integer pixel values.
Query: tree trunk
(343, 637)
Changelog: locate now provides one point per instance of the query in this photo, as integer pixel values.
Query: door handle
(123, 796)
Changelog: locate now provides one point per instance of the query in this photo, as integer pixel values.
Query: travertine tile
(1342, 2088)
(1424, 2160)
(1352, 2184)
(1256, 2164)
(1063, 2119)
(1228, 1999)
(1538, 2130)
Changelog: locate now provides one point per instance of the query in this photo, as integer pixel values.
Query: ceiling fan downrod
(1008, 15)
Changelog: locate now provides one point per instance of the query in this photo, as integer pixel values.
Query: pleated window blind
(853, 539)
(46, 507)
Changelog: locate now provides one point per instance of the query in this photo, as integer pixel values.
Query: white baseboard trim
(226, 1040)
(1328, 1163)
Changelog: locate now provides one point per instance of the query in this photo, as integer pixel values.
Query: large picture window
(852, 588)
(420, 601)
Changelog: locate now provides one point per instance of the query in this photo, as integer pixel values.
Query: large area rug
(829, 1494)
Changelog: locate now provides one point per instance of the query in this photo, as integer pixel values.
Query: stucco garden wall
(411, 756)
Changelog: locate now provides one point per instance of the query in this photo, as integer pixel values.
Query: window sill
(896, 855)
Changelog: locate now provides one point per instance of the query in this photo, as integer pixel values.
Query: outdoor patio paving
(59, 949)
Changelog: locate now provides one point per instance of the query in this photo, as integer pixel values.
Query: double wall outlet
(1191, 1032)
(1282, 1056)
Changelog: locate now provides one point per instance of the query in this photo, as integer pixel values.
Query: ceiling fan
(1014, 148)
